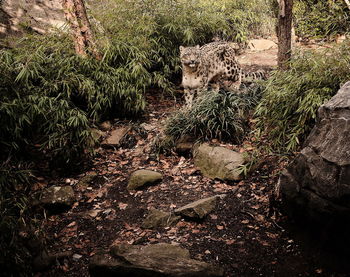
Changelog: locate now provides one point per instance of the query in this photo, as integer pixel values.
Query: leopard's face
(190, 57)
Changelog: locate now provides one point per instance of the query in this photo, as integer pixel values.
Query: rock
(157, 218)
(184, 147)
(155, 260)
(55, 198)
(198, 209)
(261, 44)
(184, 144)
(148, 127)
(43, 261)
(106, 125)
(113, 140)
(143, 177)
(38, 15)
(218, 162)
(86, 181)
(97, 134)
(316, 184)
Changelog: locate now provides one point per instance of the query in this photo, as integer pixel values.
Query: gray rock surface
(55, 198)
(39, 15)
(157, 218)
(317, 182)
(106, 126)
(152, 260)
(218, 162)
(198, 209)
(115, 137)
(143, 177)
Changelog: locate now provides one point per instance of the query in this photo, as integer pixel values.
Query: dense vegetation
(51, 99)
(321, 19)
(290, 101)
(222, 115)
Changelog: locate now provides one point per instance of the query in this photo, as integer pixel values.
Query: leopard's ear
(197, 47)
(181, 48)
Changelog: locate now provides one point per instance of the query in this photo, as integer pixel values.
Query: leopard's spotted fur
(209, 65)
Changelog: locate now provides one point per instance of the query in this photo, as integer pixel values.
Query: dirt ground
(240, 234)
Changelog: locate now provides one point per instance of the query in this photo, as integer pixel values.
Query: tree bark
(76, 16)
(284, 32)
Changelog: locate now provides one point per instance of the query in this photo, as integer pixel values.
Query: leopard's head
(190, 57)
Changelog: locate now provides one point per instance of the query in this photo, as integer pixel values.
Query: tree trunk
(284, 32)
(76, 16)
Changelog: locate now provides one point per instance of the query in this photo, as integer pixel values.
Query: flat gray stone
(218, 162)
(157, 218)
(143, 177)
(151, 260)
(199, 209)
(115, 137)
(56, 199)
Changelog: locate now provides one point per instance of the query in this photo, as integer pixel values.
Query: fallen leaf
(220, 227)
(93, 213)
(122, 206)
(230, 241)
(71, 224)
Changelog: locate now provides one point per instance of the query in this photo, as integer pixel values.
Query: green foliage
(320, 18)
(15, 259)
(291, 98)
(50, 97)
(158, 28)
(214, 115)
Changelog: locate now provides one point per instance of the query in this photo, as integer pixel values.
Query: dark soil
(242, 235)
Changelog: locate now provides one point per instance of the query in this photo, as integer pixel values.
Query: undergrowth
(321, 19)
(290, 101)
(15, 259)
(222, 115)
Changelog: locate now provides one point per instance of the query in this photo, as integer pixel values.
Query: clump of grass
(222, 115)
(291, 98)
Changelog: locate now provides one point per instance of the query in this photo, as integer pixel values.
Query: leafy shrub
(221, 115)
(291, 98)
(320, 19)
(15, 259)
(158, 28)
(50, 97)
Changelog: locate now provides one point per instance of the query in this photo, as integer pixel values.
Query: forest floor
(239, 235)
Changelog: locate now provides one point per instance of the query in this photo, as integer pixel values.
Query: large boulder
(218, 162)
(316, 185)
(155, 260)
(143, 177)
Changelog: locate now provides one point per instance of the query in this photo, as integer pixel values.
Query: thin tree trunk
(76, 16)
(284, 32)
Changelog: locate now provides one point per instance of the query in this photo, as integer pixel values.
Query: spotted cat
(213, 64)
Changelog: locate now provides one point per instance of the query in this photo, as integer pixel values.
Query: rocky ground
(240, 233)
